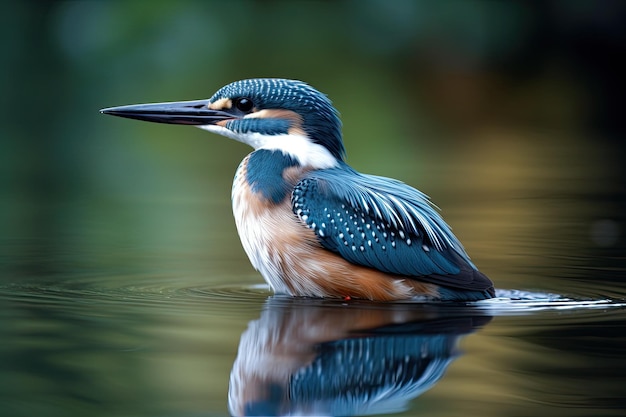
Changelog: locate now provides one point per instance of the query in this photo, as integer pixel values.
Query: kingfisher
(311, 224)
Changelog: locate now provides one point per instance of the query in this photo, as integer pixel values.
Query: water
(85, 348)
(143, 304)
(124, 290)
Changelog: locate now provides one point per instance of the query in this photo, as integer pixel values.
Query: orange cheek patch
(293, 117)
(221, 104)
(296, 130)
(278, 114)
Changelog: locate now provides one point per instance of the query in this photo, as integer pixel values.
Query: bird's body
(287, 251)
(310, 224)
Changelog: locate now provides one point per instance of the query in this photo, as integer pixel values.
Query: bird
(311, 224)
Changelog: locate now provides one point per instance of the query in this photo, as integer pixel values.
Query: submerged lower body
(348, 281)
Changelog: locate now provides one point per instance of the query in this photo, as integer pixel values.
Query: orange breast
(310, 270)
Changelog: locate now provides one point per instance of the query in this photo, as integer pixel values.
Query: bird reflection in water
(311, 357)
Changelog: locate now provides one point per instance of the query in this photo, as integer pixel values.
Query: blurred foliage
(414, 65)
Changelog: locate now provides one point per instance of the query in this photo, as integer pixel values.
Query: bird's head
(265, 113)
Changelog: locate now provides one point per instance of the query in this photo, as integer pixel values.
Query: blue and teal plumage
(384, 224)
(264, 174)
(273, 127)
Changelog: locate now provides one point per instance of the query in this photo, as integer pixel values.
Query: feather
(384, 224)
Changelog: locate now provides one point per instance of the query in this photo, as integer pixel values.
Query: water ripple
(158, 294)
(165, 295)
(516, 302)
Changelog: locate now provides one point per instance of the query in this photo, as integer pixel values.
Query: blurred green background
(507, 113)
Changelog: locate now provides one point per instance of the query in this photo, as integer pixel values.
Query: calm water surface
(145, 307)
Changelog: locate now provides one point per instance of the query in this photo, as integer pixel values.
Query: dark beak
(179, 112)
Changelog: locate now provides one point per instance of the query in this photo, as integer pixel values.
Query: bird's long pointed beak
(179, 112)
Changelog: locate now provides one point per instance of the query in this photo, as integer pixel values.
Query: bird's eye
(244, 104)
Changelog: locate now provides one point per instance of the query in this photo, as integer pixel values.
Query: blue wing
(383, 224)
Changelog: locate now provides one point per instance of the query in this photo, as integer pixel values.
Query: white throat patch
(297, 146)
